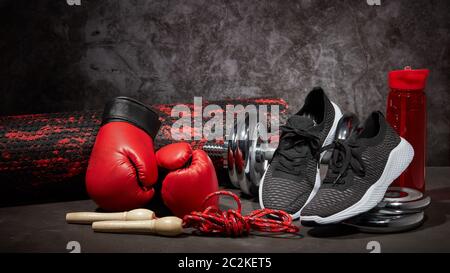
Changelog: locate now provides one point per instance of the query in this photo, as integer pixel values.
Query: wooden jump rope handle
(90, 217)
(166, 226)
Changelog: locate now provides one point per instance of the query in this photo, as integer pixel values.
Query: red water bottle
(407, 113)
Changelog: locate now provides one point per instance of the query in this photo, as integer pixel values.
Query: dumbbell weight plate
(231, 151)
(402, 194)
(387, 211)
(404, 199)
(257, 162)
(413, 205)
(345, 127)
(386, 224)
(242, 156)
(245, 167)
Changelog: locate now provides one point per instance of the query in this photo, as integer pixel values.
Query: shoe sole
(399, 159)
(317, 183)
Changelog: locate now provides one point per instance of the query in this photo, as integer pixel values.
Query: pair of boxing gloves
(123, 167)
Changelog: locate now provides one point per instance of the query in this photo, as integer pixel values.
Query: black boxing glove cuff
(134, 112)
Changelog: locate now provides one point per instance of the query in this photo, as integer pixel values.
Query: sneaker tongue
(300, 122)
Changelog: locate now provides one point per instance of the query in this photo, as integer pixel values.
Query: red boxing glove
(122, 168)
(190, 179)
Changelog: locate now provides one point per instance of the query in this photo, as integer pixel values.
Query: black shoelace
(294, 146)
(345, 157)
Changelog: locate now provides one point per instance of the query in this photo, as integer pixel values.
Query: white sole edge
(317, 183)
(399, 159)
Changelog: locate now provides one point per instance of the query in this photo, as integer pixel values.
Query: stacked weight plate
(401, 209)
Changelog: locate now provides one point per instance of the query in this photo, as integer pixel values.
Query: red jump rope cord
(232, 223)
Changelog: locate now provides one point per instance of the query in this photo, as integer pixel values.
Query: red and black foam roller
(44, 156)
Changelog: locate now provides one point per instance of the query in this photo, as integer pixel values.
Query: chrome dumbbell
(246, 155)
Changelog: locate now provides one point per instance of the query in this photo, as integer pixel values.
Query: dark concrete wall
(56, 57)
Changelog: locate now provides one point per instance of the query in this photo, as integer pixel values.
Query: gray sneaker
(359, 173)
(292, 178)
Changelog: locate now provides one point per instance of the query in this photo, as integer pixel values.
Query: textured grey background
(56, 57)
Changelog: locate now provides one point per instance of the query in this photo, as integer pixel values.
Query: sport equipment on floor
(210, 221)
(245, 156)
(122, 168)
(165, 226)
(401, 209)
(90, 217)
(191, 177)
(360, 172)
(386, 223)
(293, 177)
(346, 125)
(407, 113)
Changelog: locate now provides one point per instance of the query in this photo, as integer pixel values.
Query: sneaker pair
(359, 172)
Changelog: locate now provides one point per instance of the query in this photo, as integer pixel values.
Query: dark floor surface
(42, 228)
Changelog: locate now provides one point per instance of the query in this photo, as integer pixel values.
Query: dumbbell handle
(215, 150)
(90, 217)
(220, 151)
(166, 226)
(267, 152)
